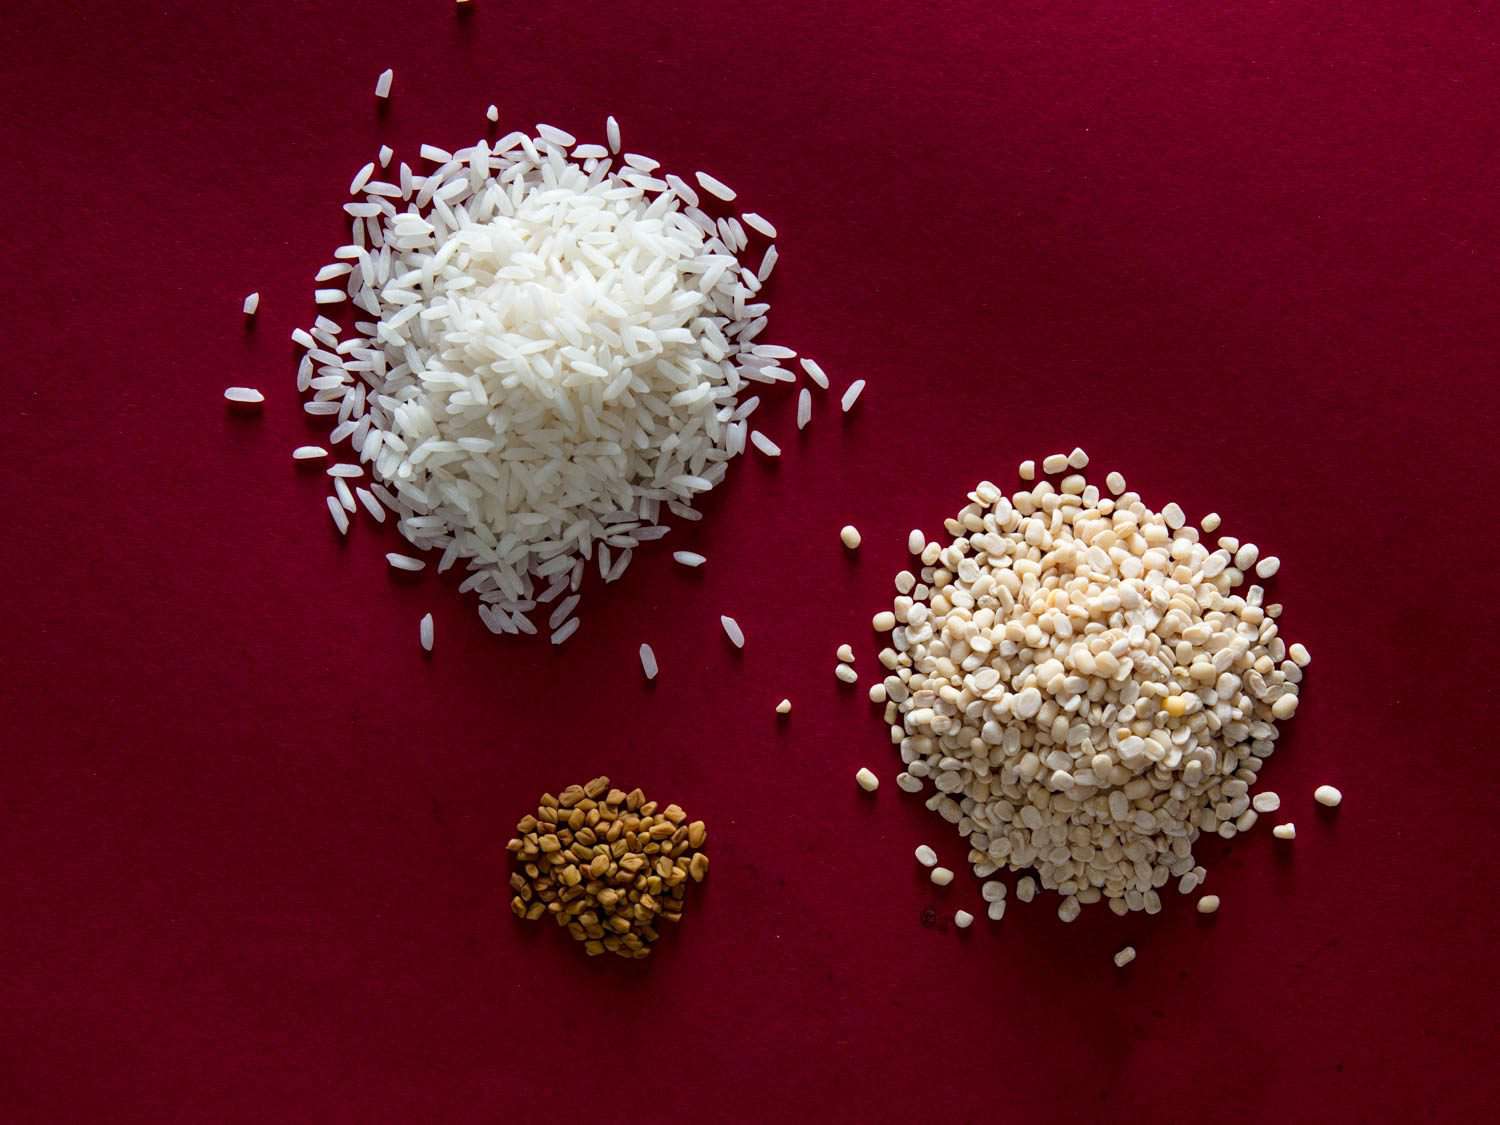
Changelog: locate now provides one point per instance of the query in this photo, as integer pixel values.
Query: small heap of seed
(607, 865)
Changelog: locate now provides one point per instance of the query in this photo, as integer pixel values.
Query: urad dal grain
(1085, 691)
(607, 865)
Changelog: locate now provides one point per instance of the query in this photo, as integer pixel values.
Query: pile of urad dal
(1085, 687)
(549, 356)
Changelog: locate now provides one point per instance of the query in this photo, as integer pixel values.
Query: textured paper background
(252, 841)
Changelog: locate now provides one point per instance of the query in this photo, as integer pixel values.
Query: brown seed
(576, 819)
(571, 876)
(586, 836)
(570, 796)
(547, 815)
(698, 867)
(598, 866)
(548, 801)
(535, 911)
(634, 799)
(697, 833)
(648, 809)
(674, 814)
(581, 852)
(597, 787)
(615, 797)
(550, 843)
(526, 824)
(593, 948)
(518, 907)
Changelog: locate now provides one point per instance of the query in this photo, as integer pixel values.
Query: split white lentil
(1027, 471)
(996, 910)
(941, 876)
(1125, 956)
(867, 779)
(1208, 904)
(845, 653)
(1287, 831)
(1266, 802)
(846, 673)
(784, 707)
(849, 534)
(1085, 689)
(1327, 795)
(926, 856)
(1054, 463)
(915, 542)
(963, 919)
(883, 622)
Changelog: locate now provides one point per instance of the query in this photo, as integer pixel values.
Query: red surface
(253, 842)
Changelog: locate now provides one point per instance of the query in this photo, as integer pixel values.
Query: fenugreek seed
(518, 907)
(548, 801)
(596, 788)
(571, 876)
(526, 824)
(698, 867)
(697, 833)
(634, 799)
(570, 796)
(549, 843)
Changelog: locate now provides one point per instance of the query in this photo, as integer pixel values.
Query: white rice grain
(733, 631)
(804, 408)
(252, 303)
(764, 444)
(814, 372)
(566, 631)
(245, 396)
(404, 562)
(612, 133)
(688, 558)
(648, 662)
(756, 223)
(715, 187)
(371, 505)
(340, 517)
(424, 632)
(851, 396)
(383, 83)
(308, 453)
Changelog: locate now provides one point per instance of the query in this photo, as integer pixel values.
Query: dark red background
(251, 841)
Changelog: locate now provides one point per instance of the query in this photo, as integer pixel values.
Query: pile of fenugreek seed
(607, 865)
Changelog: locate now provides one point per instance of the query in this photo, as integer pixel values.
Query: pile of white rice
(552, 356)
